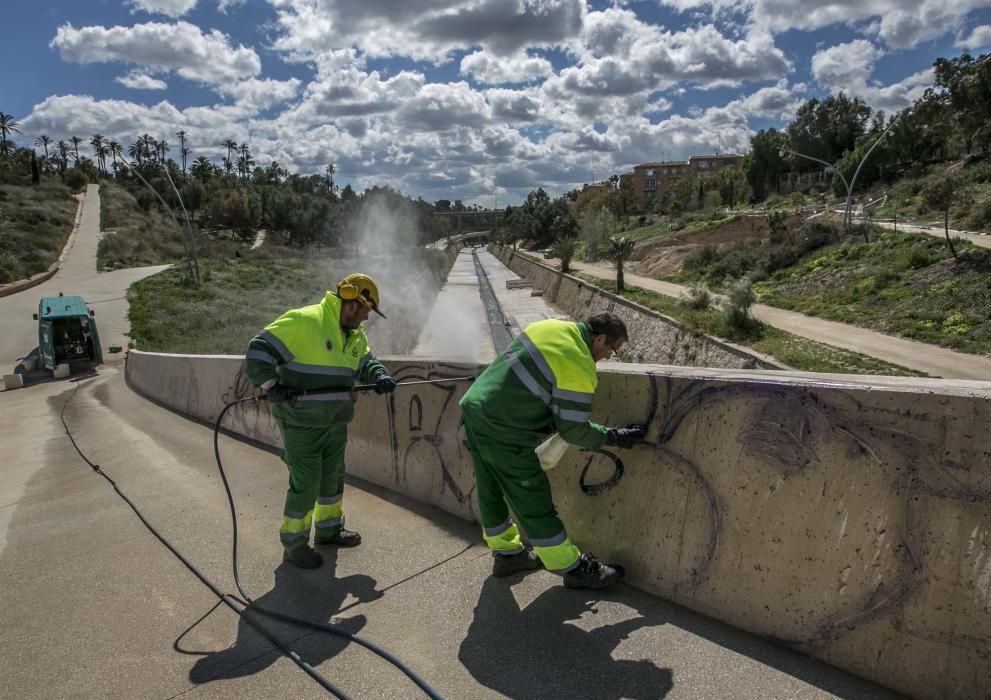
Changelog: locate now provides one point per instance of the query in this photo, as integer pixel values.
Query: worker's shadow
(314, 595)
(548, 650)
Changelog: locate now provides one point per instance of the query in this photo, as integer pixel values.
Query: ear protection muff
(348, 291)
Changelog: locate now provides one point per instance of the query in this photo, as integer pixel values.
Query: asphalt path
(104, 292)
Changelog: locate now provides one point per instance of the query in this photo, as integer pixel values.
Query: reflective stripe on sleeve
(576, 396)
(262, 356)
(537, 357)
(571, 415)
(528, 381)
(280, 347)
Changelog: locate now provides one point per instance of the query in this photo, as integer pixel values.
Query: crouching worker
(544, 382)
(319, 348)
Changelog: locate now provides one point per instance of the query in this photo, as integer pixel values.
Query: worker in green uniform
(322, 348)
(544, 382)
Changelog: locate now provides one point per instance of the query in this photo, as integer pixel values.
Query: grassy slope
(235, 300)
(792, 350)
(35, 223)
(902, 284)
(135, 237)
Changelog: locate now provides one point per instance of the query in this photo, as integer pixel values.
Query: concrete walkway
(931, 359)
(104, 292)
(978, 239)
(94, 606)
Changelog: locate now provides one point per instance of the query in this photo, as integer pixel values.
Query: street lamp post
(853, 180)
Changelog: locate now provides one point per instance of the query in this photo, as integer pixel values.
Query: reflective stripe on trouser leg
(498, 531)
(328, 515)
(303, 455)
(512, 472)
(295, 528)
(557, 554)
(503, 539)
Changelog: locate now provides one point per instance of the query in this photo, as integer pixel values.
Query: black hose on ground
(321, 626)
(239, 606)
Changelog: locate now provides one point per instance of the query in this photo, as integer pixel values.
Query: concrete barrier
(846, 517)
(654, 337)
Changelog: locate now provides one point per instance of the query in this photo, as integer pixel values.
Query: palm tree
(7, 127)
(63, 149)
(136, 150)
(244, 150)
(75, 145)
(619, 251)
(116, 151)
(97, 143)
(330, 170)
(43, 141)
(230, 145)
(244, 165)
(565, 250)
(201, 168)
(148, 145)
(161, 148)
(183, 151)
(102, 154)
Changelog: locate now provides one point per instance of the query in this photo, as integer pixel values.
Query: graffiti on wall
(893, 472)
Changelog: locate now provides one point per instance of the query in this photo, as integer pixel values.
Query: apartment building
(649, 179)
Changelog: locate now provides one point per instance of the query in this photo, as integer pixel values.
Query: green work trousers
(509, 476)
(315, 457)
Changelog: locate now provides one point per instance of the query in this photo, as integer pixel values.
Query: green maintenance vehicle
(67, 334)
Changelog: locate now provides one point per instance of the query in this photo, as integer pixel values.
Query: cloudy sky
(478, 100)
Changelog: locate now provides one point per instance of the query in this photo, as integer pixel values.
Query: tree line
(235, 193)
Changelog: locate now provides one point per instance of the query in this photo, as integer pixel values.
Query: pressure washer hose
(244, 605)
(321, 626)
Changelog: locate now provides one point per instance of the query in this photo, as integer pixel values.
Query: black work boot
(303, 556)
(593, 574)
(344, 538)
(507, 564)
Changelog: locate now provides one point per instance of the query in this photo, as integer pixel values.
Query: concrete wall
(846, 517)
(654, 337)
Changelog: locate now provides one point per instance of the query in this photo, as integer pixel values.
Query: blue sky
(464, 99)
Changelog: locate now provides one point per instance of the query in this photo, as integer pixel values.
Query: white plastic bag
(550, 451)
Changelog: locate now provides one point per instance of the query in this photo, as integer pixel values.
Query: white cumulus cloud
(848, 68)
(170, 8)
(138, 80)
(183, 47)
(979, 38)
(490, 69)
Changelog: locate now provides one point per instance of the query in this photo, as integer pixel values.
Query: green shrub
(700, 259)
(740, 297)
(75, 179)
(698, 297)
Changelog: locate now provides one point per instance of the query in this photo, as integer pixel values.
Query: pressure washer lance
(371, 387)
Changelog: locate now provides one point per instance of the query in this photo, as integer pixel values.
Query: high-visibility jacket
(543, 383)
(308, 349)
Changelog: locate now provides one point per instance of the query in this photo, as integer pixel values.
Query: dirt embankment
(658, 257)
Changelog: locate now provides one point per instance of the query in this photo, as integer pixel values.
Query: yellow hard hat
(362, 288)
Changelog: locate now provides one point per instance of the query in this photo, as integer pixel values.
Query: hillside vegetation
(35, 223)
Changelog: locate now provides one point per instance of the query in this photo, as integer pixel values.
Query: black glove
(625, 437)
(280, 393)
(385, 384)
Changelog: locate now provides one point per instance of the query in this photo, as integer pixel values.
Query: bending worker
(320, 347)
(544, 382)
